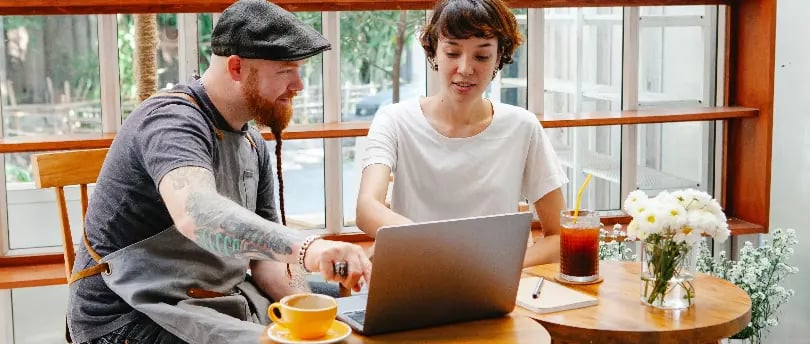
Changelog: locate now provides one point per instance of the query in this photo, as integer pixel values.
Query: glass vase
(667, 270)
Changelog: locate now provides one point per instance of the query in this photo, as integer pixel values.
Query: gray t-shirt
(165, 132)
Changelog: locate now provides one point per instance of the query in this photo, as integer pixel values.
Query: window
(510, 85)
(676, 69)
(56, 91)
(51, 86)
(168, 63)
(308, 105)
(372, 44)
(583, 72)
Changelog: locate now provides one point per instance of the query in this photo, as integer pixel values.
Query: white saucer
(339, 331)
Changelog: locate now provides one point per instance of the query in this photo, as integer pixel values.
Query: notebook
(440, 272)
(553, 297)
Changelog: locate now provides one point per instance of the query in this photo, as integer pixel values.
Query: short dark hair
(461, 19)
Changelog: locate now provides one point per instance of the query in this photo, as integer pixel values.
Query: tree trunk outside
(400, 44)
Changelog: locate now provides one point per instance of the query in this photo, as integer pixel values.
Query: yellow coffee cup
(306, 316)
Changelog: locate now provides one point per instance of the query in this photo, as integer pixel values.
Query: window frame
(332, 130)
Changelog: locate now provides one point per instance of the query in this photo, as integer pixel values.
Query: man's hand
(323, 254)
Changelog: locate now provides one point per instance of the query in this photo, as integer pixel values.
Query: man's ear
(235, 67)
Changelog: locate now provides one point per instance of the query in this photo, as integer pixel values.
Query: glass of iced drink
(579, 246)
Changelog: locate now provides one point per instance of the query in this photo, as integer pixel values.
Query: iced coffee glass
(579, 246)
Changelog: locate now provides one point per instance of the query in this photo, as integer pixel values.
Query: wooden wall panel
(751, 84)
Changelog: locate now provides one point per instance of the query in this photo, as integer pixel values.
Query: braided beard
(274, 115)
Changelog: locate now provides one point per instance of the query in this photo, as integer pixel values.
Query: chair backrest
(57, 170)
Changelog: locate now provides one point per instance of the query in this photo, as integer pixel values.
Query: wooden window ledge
(355, 129)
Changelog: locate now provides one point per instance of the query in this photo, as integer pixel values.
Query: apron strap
(93, 270)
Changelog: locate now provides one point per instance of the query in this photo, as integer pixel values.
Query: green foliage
(17, 174)
(29, 22)
(205, 26)
(126, 50)
(78, 67)
(368, 39)
(83, 75)
(166, 19)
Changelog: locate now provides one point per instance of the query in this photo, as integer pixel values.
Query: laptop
(441, 272)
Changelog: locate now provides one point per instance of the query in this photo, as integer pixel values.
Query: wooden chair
(57, 170)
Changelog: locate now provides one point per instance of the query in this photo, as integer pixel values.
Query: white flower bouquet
(669, 225)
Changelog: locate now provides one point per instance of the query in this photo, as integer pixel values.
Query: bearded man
(184, 205)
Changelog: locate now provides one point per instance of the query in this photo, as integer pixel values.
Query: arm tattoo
(183, 177)
(227, 229)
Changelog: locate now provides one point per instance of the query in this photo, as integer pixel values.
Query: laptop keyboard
(358, 316)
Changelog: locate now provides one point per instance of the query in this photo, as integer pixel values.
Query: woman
(455, 154)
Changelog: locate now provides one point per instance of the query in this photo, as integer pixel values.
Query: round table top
(720, 309)
(510, 329)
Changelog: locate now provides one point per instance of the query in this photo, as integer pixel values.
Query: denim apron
(192, 293)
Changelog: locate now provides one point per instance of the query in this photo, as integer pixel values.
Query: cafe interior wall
(790, 179)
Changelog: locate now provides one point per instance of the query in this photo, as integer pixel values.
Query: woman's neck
(457, 119)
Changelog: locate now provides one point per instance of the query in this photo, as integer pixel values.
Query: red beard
(266, 112)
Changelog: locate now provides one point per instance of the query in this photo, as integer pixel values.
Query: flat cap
(258, 29)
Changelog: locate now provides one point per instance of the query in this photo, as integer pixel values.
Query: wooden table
(720, 309)
(508, 329)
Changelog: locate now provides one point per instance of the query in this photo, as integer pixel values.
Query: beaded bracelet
(302, 252)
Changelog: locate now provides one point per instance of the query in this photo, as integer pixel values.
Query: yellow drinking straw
(579, 196)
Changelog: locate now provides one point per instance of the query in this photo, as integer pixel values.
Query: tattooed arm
(227, 229)
(218, 224)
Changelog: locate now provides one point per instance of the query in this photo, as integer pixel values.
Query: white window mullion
(719, 100)
(110, 84)
(188, 51)
(630, 60)
(4, 242)
(333, 157)
(3, 195)
(707, 160)
(579, 146)
(432, 75)
(536, 71)
(6, 321)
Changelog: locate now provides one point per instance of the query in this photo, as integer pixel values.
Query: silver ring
(341, 269)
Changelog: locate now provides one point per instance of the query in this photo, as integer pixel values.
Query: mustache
(289, 95)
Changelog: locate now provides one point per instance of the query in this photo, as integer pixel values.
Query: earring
(494, 73)
(433, 64)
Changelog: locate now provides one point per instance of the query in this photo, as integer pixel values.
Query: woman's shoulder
(401, 111)
(515, 114)
(404, 106)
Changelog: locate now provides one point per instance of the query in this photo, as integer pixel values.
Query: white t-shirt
(438, 178)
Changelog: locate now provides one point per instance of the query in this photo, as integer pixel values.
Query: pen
(537, 288)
